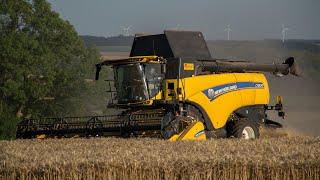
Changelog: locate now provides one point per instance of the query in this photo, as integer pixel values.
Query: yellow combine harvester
(171, 88)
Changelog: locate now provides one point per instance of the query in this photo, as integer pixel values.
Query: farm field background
(286, 157)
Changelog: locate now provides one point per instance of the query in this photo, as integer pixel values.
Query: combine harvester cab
(172, 88)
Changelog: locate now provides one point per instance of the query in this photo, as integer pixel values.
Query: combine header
(172, 88)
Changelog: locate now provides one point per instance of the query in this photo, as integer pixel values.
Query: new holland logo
(211, 93)
(215, 92)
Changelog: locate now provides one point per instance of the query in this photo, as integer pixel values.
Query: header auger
(172, 88)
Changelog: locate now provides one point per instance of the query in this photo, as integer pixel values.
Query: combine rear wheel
(244, 128)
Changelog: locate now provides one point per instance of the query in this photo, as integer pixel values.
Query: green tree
(43, 64)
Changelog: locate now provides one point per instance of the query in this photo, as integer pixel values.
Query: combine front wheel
(245, 129)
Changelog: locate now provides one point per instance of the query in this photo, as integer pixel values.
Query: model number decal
(258, 85)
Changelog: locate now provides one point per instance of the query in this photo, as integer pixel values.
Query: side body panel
(221, 94)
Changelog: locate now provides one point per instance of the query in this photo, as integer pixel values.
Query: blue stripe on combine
(199, 133)
(215, 92)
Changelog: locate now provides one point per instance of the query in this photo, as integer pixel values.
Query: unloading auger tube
(288, 66)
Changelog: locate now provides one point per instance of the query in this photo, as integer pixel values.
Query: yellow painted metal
(279, 99)
(158, 96)
(172, 94)
(221, 107)
(195, 131)
(262, 95)
(42, 136)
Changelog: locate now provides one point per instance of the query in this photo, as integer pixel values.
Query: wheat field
(285, 157)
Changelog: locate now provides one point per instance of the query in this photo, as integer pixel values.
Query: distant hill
(310, 45)
(109, 41)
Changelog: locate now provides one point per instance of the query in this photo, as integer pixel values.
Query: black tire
(244, 128)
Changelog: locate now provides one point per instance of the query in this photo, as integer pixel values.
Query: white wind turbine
(228, 30)
(177, 27)
(284, 29)
(126, 30)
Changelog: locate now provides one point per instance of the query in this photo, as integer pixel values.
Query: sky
(248, 19)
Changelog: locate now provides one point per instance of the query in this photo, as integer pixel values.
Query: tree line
(45, 68)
